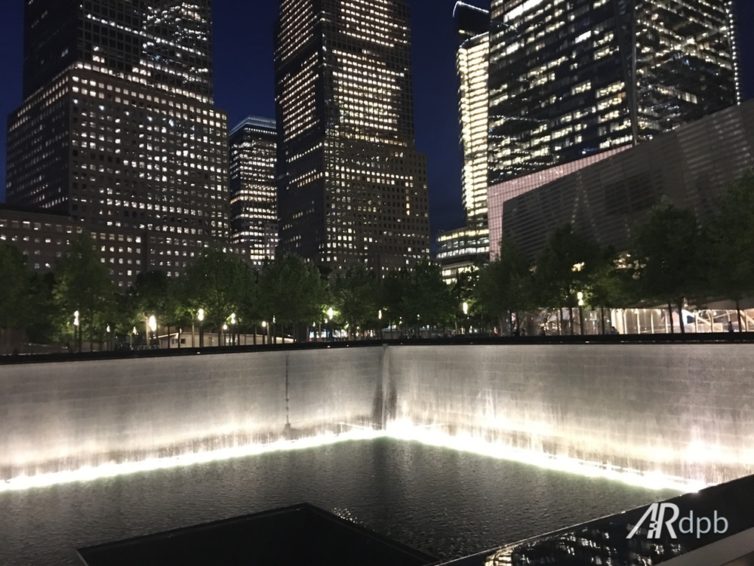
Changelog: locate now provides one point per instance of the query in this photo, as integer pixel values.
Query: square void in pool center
(298, 535)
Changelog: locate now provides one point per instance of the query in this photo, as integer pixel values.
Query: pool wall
(678, 409)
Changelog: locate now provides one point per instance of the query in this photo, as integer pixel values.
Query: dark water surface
(443, 502)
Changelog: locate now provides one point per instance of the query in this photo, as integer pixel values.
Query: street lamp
(329, 321)
(200, 315)
(465, 309)
(152, 327)
(77, 329)
(580, 299)
(233, 322)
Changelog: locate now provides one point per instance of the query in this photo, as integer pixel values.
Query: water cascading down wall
(684, 412)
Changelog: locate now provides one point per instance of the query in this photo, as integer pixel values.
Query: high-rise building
(253, 189)
(691, 167)
(570, 79)
(352, 186)
(118, 127)
(459, 250)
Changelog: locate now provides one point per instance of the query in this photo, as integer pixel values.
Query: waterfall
(657, 411)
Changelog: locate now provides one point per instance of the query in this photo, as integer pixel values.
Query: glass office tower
(460, 249)
(570, 79)
(352, 187)
(118, 127)
(253, 189)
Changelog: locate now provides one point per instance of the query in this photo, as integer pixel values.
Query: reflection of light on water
(397, 430)
(113, 469)
(433, 436)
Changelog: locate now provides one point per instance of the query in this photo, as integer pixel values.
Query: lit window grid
(529, 129)
(44, 240)
(472, 63)
(134, 158)
(371, 210)
(253, 152)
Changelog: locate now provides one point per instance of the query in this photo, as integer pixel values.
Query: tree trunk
(570, 320)
(511, 329)
(738, 312)
(560, 322)
(682, 323)
(602, 320)
(581, 319)
(670, 313)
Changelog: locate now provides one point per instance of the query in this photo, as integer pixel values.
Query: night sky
(244, 80)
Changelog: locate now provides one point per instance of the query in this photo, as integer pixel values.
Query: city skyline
(245, 85)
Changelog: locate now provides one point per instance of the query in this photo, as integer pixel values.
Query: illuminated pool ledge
(399, 430)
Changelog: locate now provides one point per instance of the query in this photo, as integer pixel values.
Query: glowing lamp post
(200, 315)
(330, 315)
(233, 321)
(582, 302)
(152, 330)
(77, 329)
(465, 310)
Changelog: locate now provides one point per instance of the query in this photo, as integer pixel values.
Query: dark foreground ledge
(714, 527)
(300, 535)
(688, 540)
(627, 339)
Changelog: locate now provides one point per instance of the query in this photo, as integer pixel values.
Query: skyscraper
(460, 249)
(253, 189)
(352, 187)
(117, 127)
(570, 79)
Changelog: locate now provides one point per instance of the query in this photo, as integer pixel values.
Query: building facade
(352, 186)
(570, 79)
(43, 238)
(118, 128)
(460, 250)
(690, 167)
(498, 195)
(253, 189)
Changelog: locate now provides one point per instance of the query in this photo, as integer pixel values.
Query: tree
(504, 287)
(292, 292)
(83, 285)
(730, 249)
(467, 308)
(667, 248)
(356, 296)
(155, 294)
(611, 284)
(217, 283)
(426, 298)
(563, 270)
(14, 300)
